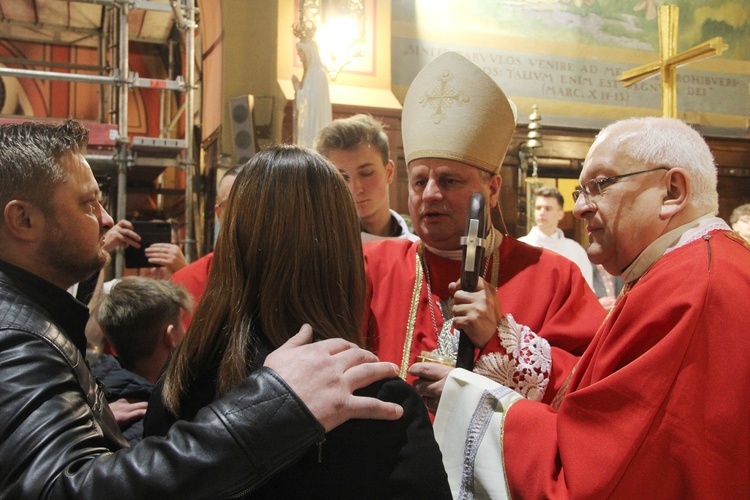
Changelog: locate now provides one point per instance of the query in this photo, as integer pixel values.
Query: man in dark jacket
(58, 437)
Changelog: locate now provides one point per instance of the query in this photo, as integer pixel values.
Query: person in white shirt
(740, 221)
(548, 212)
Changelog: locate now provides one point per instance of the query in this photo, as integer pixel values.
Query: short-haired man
(657, 404)
(548, 212)
(142, 319)
(58, 437)
(358, 147)
(415, 303)
(194, 276)
(740, 220)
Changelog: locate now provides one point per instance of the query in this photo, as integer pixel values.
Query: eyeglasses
(594, 186)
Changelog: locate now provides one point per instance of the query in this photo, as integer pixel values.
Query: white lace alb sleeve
(525, 365)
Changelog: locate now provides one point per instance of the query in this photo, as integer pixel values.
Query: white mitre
(454, 110)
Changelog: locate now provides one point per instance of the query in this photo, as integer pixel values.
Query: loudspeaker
(243, 130)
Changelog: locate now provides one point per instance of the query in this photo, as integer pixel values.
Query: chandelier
(338, 28)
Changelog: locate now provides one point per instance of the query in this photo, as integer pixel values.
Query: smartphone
(150, 232)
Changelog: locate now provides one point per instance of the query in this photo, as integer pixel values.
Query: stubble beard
(68, 260)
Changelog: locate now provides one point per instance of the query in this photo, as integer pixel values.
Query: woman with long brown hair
(289, 253)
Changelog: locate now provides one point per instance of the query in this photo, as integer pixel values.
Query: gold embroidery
(412, 320)
(443, 96)
(734, 236)
(557, 401)
(495, 265)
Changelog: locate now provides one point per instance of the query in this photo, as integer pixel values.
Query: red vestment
(541, 289)
(194, 278)
(657, 406)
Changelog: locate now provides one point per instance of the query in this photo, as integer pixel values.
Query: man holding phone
(162, 254)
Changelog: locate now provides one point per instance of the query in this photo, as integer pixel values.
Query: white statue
(312, 101)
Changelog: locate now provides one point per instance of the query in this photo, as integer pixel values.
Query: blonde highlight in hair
(347, 134)
(288, 253)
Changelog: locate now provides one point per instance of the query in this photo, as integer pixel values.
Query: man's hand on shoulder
(325, 374)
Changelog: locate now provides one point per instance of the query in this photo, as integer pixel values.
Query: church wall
(541, 52)
(568, 68)
(250, 42)
(565, 56)
(209, 51)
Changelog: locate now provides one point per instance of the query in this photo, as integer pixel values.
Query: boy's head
(141, 315)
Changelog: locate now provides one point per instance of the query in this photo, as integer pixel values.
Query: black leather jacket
(58, 438)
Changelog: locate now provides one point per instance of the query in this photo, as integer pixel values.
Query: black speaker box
(243, 130)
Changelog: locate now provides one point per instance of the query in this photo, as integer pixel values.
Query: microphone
(471, 267)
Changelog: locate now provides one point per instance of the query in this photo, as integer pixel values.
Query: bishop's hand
(430, 382)
(476, 313)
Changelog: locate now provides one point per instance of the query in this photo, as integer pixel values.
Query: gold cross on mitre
(670, 60)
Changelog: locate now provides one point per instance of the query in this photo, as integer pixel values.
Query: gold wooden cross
(670, 60)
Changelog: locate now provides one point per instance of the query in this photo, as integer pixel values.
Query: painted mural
(565, 55)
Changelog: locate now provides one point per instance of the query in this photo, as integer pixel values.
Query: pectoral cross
(670, 60)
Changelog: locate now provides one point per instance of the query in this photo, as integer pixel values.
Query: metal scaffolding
(140, 151)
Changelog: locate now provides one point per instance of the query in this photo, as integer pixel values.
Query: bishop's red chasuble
(542, 290)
